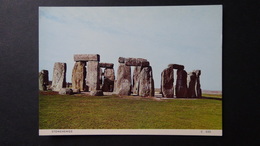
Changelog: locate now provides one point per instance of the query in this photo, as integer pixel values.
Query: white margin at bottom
(188, 132)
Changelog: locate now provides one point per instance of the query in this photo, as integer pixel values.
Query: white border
(197, 132)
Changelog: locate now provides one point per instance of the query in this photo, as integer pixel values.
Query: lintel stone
(176, 66)
(86, 57)
(106, 65)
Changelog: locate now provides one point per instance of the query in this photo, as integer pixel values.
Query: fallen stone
(176, 66)
(92, 78)
(86, 57)
(65, 91)
(167, 87)
(76, 91)
(78, 76)
(96, 93)
(43, 80)
(106, 65)
(123, 83)
(181, 83)
(146, 82)
(59, 76)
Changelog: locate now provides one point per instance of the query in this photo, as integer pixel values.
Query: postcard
(130, 70)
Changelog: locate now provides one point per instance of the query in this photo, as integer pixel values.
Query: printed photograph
(130, 70)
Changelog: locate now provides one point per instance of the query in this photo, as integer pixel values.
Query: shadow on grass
(215, 98)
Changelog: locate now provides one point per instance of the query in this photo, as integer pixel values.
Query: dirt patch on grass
(48, 93)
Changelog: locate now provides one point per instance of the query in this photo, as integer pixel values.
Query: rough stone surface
(78, 76)
(121, 60)
(175, 66)
(191, 81)
(146, 82)
(92, 79)
(64, 91)
(59, 76)
(197, 84)
(101, 74)
(76, 91)
(115, 84)
(43, 80)
(106, 65)
(109, 78)
(181, 83)
(96, 93)
(167, 87)
(137, 71)
(136, 62)
(86, 57)
(123, 83)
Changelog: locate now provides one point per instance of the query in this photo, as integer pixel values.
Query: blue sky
(187, 35)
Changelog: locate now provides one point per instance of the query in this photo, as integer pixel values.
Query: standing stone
(197, 84)
(115, 84)
(136, 73)
(146, 82)
(59, 76)
(92, 79)
(100, 76)
(123, 83)
(109, 78)
(78, 76)
(181, 83)
(167, 87)
(191, 81)
(43, 80)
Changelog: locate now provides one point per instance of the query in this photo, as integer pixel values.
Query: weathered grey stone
(76, 91)
(78, 76)
(191, 81)
(106, 65)
(121, 60)
(136, 62)
(136, 73)
(115, 84)
(43, 80)
(176, 66)
(167, 87)
(64, 91)
(92, 79)
(86, 57)
(123, 83)
(197, 84)
(181, 83)
(109, 78)
(146, 82)
(96, 93)
(59, 76)
(101, 74)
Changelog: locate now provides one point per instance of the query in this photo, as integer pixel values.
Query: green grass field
(113, 112)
